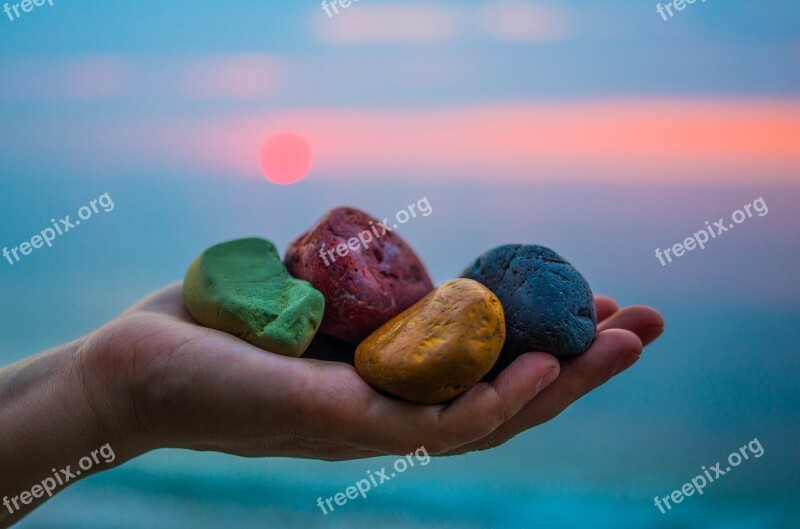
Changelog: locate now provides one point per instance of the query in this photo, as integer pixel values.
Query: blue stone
(548, 304)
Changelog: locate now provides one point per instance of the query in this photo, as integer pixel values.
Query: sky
(510, 91)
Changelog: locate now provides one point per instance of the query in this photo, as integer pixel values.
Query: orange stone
(439, 347)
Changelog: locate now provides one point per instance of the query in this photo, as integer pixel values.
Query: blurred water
(724, 372)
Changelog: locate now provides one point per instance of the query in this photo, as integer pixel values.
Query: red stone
(378, 277)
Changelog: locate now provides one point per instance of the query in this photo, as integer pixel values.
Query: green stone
(241, 287)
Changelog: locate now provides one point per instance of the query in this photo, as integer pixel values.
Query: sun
(285, 158)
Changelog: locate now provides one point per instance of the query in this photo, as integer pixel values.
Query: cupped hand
(177, 384)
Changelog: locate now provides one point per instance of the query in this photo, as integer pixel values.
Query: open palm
(194, 387)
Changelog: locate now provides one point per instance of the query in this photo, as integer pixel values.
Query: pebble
(367, 274)
(241, 287)
(438, 348)
(549, 306)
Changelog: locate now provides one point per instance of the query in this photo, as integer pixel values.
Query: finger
(612, 352)
(605, 307)
(644, 322)
(167, 299)
(493, 404)
(399, 427)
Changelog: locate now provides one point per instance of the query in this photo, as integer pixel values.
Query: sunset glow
(697, 141)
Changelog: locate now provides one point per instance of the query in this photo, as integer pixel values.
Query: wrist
(105, 375)
(58, 420)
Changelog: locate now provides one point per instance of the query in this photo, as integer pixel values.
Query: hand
(621, 336)
(192, 387)
(153, 378)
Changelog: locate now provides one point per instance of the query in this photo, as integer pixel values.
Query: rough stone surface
(378, 277)
(548, 304)
(438, 348)
(241, 287)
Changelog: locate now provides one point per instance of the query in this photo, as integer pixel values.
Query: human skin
(153, 378)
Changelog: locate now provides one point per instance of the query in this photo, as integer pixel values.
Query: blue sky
(193, 86)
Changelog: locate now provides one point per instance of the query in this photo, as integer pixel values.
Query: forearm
(48, 423)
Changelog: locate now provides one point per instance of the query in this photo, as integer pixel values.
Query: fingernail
(625, 362)
(547, 379)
